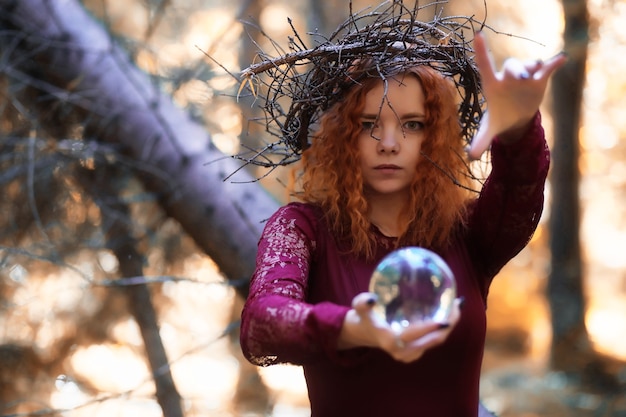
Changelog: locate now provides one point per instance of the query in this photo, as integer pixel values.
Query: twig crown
(296, 87)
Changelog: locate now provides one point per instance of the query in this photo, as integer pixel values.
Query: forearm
(517, 132)
(511, 201)
(277, 329)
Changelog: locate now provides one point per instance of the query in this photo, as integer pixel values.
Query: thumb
(362, 303)
(482, 139)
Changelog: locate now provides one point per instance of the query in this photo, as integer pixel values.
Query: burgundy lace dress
(304, 284)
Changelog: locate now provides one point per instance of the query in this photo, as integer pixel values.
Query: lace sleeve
(277, 324)
(510, 205)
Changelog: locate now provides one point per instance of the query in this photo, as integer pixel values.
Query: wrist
(517, 132)
(351, 334)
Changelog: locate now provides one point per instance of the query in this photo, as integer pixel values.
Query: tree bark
(59, 48)
(565, 286)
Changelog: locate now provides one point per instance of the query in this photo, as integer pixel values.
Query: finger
(409, 355)
(455, 314)
(533, 66)
(418, 330)
(483, 58)
(430, 340)
(436, 334)
(550, 66)
(425, 330)
(412, 350)
(514, 68)
(398, 342)
(363, 302)
(482, 140)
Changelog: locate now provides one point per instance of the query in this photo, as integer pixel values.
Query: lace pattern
(276, 312)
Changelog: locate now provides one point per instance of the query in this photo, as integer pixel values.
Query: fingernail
(443, 326)
(371, 301)
(524, 75)
(461, 302)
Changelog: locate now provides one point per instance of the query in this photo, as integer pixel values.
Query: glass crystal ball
(413, 284)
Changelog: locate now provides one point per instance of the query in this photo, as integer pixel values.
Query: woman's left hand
(363, 327)
(513, 94)
(411, 343)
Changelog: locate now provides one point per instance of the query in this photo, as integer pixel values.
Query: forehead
(400, 92)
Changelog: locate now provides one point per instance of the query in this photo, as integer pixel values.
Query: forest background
(126, 243)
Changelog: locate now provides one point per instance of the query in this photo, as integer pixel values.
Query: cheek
(366, 145)
(415, 149)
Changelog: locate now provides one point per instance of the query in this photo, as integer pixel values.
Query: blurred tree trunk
(63, 52)
(104, 184)
(570, 342)
(73, 59)
(68, 60)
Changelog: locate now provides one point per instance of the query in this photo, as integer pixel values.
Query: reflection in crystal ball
(413, 284)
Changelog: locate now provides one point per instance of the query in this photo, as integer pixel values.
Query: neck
(384, 213)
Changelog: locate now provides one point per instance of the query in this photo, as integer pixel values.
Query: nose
(388, 142)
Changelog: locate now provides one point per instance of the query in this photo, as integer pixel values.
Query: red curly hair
(331, 177)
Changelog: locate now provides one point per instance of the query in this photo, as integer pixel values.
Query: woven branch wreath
(296, 87)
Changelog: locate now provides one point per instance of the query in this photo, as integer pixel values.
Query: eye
(413, 125)
(368, 125)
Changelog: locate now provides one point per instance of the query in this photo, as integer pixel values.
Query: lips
(386, 167)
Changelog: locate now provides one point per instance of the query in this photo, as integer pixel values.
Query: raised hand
(513, 94)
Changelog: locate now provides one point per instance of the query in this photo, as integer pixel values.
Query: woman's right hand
(362, 327)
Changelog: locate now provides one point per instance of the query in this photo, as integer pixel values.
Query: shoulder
(298, 211)
(295, 215)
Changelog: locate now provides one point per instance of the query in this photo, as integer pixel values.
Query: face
(391, 136)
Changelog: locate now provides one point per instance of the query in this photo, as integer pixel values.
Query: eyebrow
(404, 117)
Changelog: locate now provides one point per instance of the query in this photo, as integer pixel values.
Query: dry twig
(296, 87)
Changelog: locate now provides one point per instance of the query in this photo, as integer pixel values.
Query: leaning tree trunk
(60, 50)
(58, 47)
(565, 288)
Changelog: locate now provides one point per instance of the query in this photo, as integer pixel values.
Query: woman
(382, 173)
